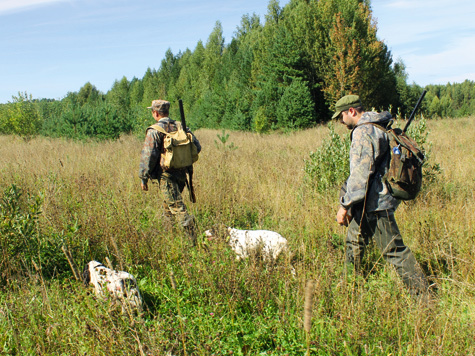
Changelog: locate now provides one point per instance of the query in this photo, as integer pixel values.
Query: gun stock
(414, 110)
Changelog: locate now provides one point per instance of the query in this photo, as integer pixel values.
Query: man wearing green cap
(366, 204)
(172, 181)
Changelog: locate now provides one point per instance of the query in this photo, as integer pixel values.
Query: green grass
(91, 200)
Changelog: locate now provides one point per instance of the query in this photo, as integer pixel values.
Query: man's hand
(342, 216)
(144, 186)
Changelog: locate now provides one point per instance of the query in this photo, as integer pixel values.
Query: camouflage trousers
(381, 227)
(171, 188)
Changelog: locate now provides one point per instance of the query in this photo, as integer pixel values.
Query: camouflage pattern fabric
(151, 151)
(160, 106)
(171, 187)
(172, 183)
(383, 229)
(150, 156)
(369, 160)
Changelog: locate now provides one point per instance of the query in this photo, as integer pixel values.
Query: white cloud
(452, 64)
(434, 38)
(405, 5)
(427, 5)
(19, 5)
(402, 22)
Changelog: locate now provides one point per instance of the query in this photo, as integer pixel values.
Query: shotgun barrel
(190, 168)
(414, 111)
(182, 114)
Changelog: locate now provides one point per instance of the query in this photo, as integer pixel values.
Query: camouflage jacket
(369, 161)
(152, 148)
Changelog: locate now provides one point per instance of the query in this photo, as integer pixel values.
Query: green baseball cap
(348, 101)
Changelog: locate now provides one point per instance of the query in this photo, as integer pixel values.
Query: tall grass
(92, 202)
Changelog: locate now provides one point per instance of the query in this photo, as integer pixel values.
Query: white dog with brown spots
(118, 285)
(244, 243)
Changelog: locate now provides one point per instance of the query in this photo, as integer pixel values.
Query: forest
(283, 72)
(272, 159)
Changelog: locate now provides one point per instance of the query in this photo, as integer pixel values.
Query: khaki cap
(348, 101)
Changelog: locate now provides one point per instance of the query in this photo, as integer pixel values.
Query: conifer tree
(350, 57)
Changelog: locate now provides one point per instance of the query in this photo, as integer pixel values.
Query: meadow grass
(92, 202)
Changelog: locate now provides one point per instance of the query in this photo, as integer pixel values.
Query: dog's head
(217, 232)
(88, 268)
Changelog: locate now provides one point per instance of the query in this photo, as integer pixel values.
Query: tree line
(282, 73)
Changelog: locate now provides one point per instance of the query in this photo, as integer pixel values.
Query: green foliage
(24, 246)
(286, 73)
(350, 57)
(419, 132)
(295, 108)
(88, 94)
(20, 117)
(261, 122)
(102, 121)
(328, 166)
(223, 142)
(451, 100)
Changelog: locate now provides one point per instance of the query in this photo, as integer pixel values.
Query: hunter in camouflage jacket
(372, 206)
(152, 148)
(369, 161)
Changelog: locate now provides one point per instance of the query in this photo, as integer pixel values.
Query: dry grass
(94, 186)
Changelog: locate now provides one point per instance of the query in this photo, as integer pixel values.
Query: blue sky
(51, 47)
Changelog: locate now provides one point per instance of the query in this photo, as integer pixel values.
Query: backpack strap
(161, 129)
(382, 128)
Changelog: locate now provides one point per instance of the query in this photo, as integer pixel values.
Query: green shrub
(328, 166)
(24, 247)
(419, 132)
(20, 117)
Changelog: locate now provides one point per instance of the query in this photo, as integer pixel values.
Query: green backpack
(404, 176)
(179, 151)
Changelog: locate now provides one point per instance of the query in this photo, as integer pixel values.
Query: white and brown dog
(119, 285)
(244, 243)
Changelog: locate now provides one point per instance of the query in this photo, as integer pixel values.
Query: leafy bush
(23, 246)
(328, 166)
(18, 231)
(419, 132)
(21, 117)
(261, 122)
